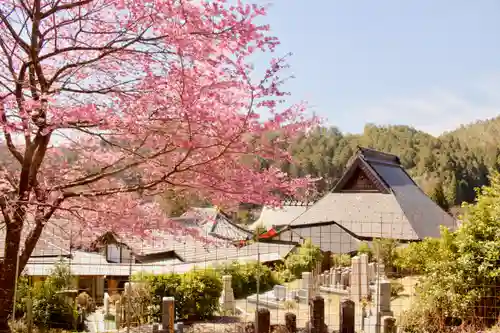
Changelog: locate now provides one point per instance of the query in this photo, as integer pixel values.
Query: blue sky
(432, 64)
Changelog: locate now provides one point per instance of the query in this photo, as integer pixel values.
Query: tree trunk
(7, 285)
(8, 271)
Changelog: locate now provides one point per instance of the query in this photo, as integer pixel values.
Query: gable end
(360, 177)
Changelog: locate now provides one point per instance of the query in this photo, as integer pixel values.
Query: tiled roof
(214, 223)
(91, 264)
(364, 214)
(45, 268)
(186, 247)
(403, 211)
(329, 237)
(273, 216)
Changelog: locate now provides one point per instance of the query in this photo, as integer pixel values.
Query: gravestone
(356, 280)
(381, 300)
(317, 321)
(347, 316)
(262, 320)
(372, 271)
(226, 300)
(380, 271)
(338, 277)
(306, 280)
(308, 284)
(167, 315)
(345, 280)
(326, 281)
(363, 274)
(279, 292)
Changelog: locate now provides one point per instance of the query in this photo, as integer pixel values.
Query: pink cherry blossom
(106, 103)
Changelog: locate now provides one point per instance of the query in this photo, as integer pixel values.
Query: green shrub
(50, 307)
(364, 248)
(461, 272)
(196, 293)
(201, 291)
(283, 274)
(385, 251)
(412, 260)
(304, 260)
(160, 286)
(341, 260)
(244, 278)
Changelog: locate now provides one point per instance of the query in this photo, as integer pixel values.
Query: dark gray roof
(424, 215)
(329, 237)
(402, 211)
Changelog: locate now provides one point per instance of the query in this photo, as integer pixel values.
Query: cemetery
(361, 282)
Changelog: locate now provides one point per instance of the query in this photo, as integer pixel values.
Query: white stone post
(106, 304)
(226, 300)
(363, 272)
(372, 271)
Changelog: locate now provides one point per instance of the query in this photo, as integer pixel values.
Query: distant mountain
(447, 167)
(450, 165)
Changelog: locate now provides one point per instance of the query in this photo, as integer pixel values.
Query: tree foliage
(105, 103)
(461, 271)
(450, 164)
(304, 260)
(196, 293)
(50, 307)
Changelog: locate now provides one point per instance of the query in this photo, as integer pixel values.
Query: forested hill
(448, 167)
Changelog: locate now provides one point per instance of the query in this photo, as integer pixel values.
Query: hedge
(244, 278)
(196, 293)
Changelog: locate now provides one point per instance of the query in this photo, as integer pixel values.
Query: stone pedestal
(381, 300)
(308, 284)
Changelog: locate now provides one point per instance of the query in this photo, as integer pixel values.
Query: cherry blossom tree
(104, 103)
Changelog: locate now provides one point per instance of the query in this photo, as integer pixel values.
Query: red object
(270, 233)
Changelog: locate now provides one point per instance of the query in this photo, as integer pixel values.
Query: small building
(375, 198)
(108, 261)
